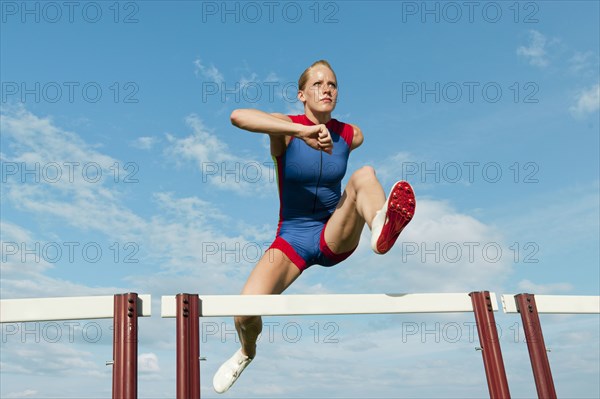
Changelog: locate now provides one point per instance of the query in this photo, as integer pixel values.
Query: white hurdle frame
(124, 309)
(64, 308)
(556, 304)
(330, 304)
(187, 308)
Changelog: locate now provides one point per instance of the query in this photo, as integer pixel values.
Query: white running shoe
(390, 220)
(229, 371)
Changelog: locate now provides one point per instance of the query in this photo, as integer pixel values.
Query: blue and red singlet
(310, 184)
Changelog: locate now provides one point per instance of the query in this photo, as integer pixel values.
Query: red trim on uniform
(289, 251)
(279, 166)
(347, 134)
(297, 118)
(329, 254)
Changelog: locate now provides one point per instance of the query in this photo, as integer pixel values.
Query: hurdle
(124, 309)
(188, 308)
(530, 306)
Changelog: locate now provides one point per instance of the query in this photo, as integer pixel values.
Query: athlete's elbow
(237, 117)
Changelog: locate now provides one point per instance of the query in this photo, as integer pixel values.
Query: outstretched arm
(258, 121)
(253, 120)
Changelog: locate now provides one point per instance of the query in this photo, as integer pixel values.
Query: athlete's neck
(317, 117)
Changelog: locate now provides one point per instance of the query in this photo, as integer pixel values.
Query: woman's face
(320, 92)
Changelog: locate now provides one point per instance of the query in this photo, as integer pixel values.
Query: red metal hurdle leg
(125, 341)
(536, 346)
(490, 344)
(188, 347)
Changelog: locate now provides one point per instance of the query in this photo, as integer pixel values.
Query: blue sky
(138, 182)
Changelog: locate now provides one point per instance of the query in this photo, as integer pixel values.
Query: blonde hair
(304, 77)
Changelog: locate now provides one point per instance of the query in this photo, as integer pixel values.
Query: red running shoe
(390, 220)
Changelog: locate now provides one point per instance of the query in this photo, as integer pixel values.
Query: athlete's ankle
(378, 220)
(249, 352)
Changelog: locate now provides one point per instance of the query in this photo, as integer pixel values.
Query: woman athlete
(318, 224)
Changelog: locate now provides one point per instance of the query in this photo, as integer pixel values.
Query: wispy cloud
(219, 165)
(583, 63)
(535, 52)
(201, 145)
(28, 393)
(587, 101)
(210, 73)
(250, 87)
(552, 288)
(145, 142)
(148, 363)
(175, 231)
(25, 269)
(80, 185)
(48, 358)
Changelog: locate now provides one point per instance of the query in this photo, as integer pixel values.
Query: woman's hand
(317, 137)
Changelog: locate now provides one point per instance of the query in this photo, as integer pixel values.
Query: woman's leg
(361, 202)
(361, 199)
(273, 273)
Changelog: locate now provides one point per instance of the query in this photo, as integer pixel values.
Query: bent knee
(365, 173)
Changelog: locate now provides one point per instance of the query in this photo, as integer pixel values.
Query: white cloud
(585, 64)
(24, 267)
(441, 250)
(251, 88)
(389, 171)
(201, 145)
(396, 364)
(245, 81)
(175, 234)
(73, 181)
(174, 238)
(553, 288)
(145, 142)
(210, 73)
(272, 77)
(47, 358)
(39, 142)
(218, 164)
(535, 52)
(23, 394)
(587, 102)
(148, 363)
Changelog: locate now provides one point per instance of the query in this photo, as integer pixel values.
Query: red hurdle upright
(188, 347)
(544, 383)
(490, 345)
(125, 340)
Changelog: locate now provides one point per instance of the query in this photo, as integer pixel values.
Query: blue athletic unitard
(309, 190)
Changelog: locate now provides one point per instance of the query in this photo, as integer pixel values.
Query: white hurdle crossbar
(557, 304)
(63, 308)
(188, 308)
(333, 304)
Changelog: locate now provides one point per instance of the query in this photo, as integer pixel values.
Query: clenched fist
(317, 137)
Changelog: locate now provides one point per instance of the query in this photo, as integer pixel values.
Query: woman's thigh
(273, 273)
(342, 232)
(362, 197)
